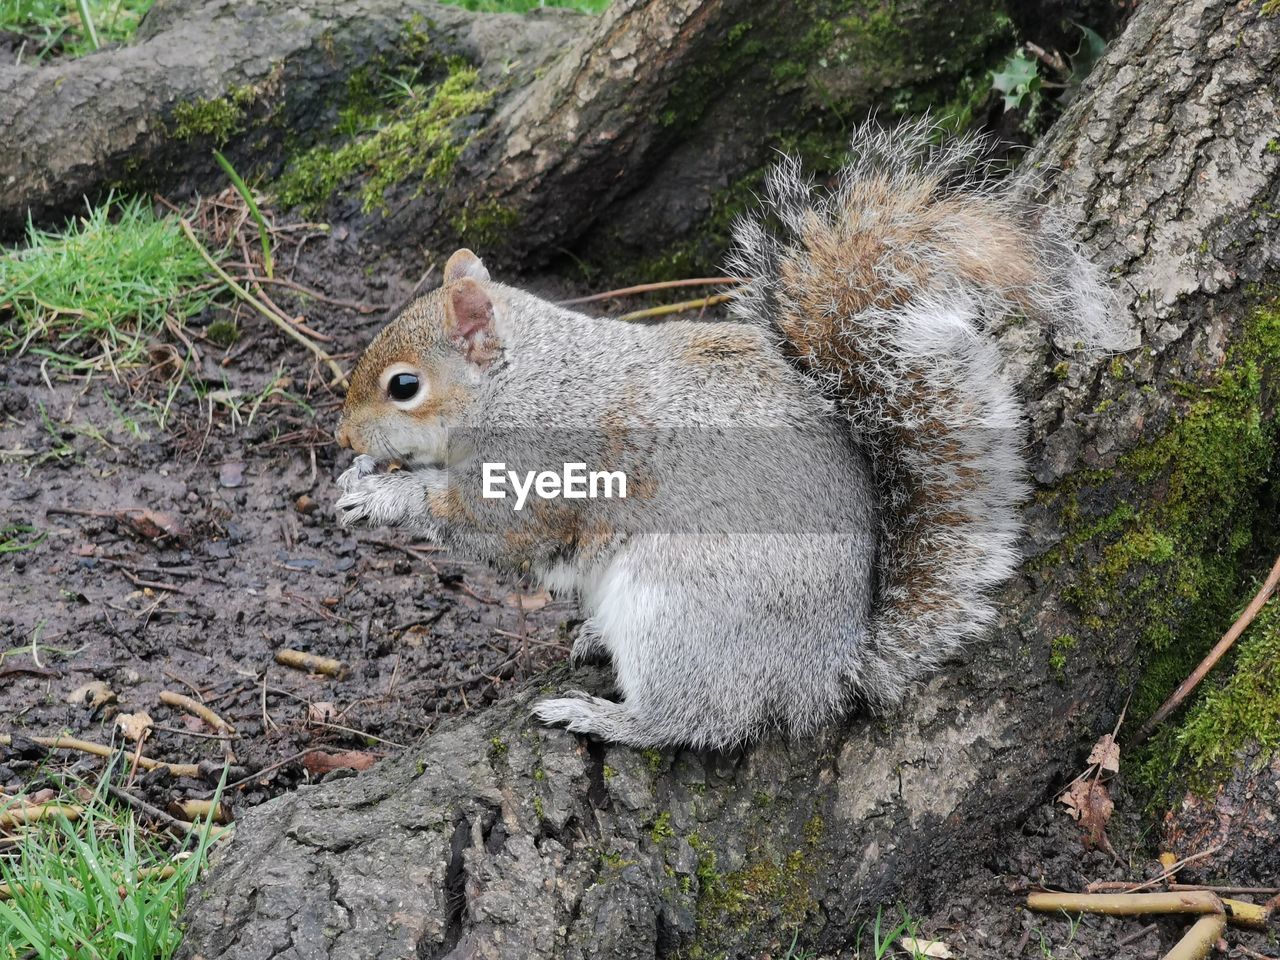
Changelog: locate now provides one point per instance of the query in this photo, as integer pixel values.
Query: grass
(524, 6)
(91, 297)
(71, 27)
(99, 887)
(17, 537)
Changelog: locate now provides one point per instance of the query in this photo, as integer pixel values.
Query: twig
(301, 660)
(15, 815)
(1126, 904)
(203, 809)
(288, 328)
(155, 813)
(1137, 935)
(99, 750)
(1245, 891)
(1240, 913)
(199, 709)
(296, 322)
(322, 298)
(1175, 699)
(358, 733)
(1199, 940)
(149, 584)
(651, 287)
(682, 307)
(395, 309)
(1170, 871)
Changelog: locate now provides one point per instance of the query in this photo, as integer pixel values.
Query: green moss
(771, 888)
(223, 333)
(662, 827)
(653, 758)
(814, 828)
(417, 144)
(1242, 708)
(1058, 651)
(483, 223)
(615, 861)
(537, 807)
(497, 748)
(219, 119)
(1167, 561)
(1061, 370)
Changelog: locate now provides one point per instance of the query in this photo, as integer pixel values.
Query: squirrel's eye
(402, 386)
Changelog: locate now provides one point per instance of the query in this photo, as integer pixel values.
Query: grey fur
(733, 606)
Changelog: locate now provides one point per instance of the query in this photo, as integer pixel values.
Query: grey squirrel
(852, 548)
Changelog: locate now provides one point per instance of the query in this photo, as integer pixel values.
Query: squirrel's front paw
(361, 467)
(354, 506)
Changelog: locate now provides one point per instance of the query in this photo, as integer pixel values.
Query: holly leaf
(1018, 78)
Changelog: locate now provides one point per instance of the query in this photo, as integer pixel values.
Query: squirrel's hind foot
(580, 712)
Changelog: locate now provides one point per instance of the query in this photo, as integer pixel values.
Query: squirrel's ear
(470, 314)
(462, 264)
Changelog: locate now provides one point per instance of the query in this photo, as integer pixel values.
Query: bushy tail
(883, 289)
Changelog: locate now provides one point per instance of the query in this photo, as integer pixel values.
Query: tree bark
(658, 111)
(254, 79)
(497, 838)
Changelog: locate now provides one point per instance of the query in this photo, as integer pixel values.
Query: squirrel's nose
(343, 438)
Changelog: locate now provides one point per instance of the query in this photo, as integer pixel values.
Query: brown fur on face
(441, 338)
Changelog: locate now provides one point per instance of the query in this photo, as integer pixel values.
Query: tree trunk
(498, 838)
(660, 111)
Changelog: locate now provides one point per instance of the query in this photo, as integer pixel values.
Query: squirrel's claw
(361, 467)
(352, 507)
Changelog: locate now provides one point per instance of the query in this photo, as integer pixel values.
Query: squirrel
(825, 487)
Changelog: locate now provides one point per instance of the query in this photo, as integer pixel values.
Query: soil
(183, 559)
(252, 562)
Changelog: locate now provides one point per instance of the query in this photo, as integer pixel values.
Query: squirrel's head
(421, 371)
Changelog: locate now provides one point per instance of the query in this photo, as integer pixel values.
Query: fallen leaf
(318, 762)
(152, 524)
(134, 726)
(925, 948)
(92, 695)
(1106, 753)
(1089, 802)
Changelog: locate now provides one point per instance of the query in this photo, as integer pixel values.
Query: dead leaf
(1106, 753)
(1089, 802)
(925, 948)
(134, 726)
(529, 601)
(152, 524)
(92, 695)
(318, 762)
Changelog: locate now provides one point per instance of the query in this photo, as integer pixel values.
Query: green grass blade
(263, 235)
(86, 20)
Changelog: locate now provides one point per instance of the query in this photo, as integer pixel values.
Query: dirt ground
(183, 559)
(248, 561)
